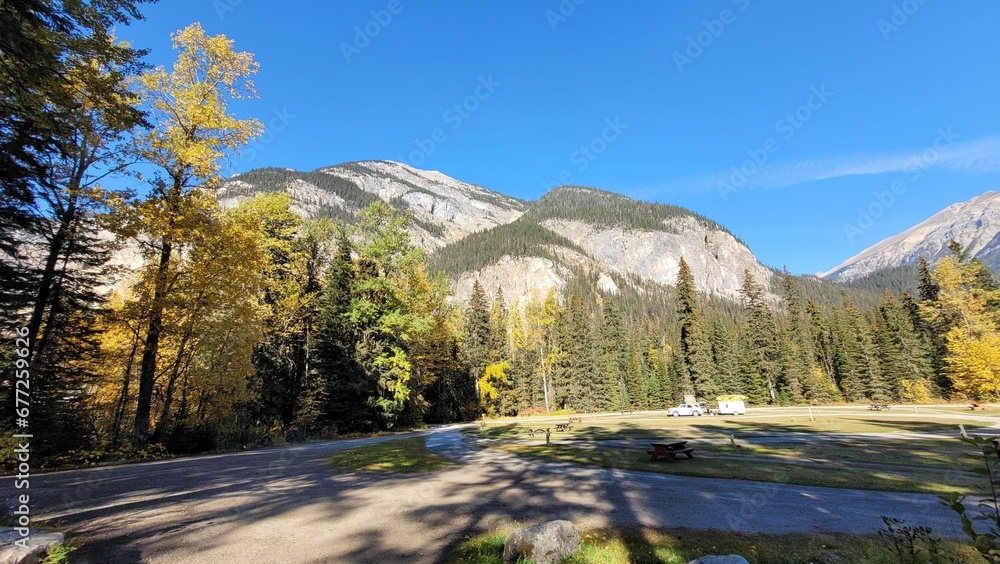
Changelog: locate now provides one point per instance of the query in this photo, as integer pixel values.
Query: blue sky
(810, 129)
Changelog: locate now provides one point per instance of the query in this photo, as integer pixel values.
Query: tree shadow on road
(273, 505)
(526, 491)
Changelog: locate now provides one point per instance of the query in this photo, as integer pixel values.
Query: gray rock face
(544, 544)
(975, 224)
(730, 559)
(446, 210)
(716, 258)
(38, 544)
(990, 255)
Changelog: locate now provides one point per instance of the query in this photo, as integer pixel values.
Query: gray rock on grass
(38, 544)
(543, 544)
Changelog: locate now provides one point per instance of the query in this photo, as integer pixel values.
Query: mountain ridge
(529, 247)
(974, 224)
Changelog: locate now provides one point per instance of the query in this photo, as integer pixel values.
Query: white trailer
(732, 405)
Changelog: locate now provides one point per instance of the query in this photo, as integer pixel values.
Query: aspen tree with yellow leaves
(966, 310)
(191, 133)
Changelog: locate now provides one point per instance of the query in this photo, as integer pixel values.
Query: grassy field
(670, 547)
(652, 427)
(726, 462)
(774, 446)
(403, 455)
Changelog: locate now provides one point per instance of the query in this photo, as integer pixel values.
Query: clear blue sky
(696, 89)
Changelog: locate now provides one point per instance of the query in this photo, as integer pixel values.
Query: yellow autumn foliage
(973, 363)
(965, 307)
(493, 376)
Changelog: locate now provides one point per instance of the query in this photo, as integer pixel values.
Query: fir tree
(478, 335)
(761, 364)
(904, 355)
(656, 384)
(725, 353)
(926, 285)
(612, 357)
(860, 373)
(635, 379)
(695, 349)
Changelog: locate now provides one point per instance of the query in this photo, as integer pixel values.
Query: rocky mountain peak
(974, 224)
(528, 247)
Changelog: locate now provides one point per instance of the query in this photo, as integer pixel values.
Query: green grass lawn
(924, 454)
(609, 428)
(402, 455)
(670, 547)
(923, 465)
(994, 410)
(726, 462)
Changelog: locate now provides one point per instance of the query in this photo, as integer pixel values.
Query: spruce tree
(822, 338)
(797, 355)
(904, 355)
(635, 379)
(656, 384)
(725, 354)
(63, 91)
(611, 352)
(695, 349)
(339, 383)
(762, 358)
(926, 285)
(860, 374)
(499, 340)
(586, 389)
(478, 334)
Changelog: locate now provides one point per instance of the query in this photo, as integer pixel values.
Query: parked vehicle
(732, 405)
(687, 409)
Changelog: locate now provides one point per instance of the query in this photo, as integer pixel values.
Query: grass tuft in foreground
(402, 455)
(680, 546)
(58, 554)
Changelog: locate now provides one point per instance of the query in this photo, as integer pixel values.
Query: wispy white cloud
(974, 156)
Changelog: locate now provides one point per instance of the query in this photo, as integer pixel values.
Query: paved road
(286, 505)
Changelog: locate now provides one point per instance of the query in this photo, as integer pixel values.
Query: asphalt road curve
(286, 505)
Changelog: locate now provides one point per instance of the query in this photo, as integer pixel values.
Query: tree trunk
(147, 369)
(44, 296)
(545, 382)
(116, 426)
(164, 421)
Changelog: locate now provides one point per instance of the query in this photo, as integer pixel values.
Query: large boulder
(730, 559)
(37, 544)
(543, 544)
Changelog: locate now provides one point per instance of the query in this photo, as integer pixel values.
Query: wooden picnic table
(547, 431)
(670, 450)
(563, 427)
(878, 407)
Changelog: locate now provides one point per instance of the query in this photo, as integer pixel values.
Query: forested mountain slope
(528, 247)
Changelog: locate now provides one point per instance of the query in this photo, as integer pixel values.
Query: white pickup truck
(687, 409)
